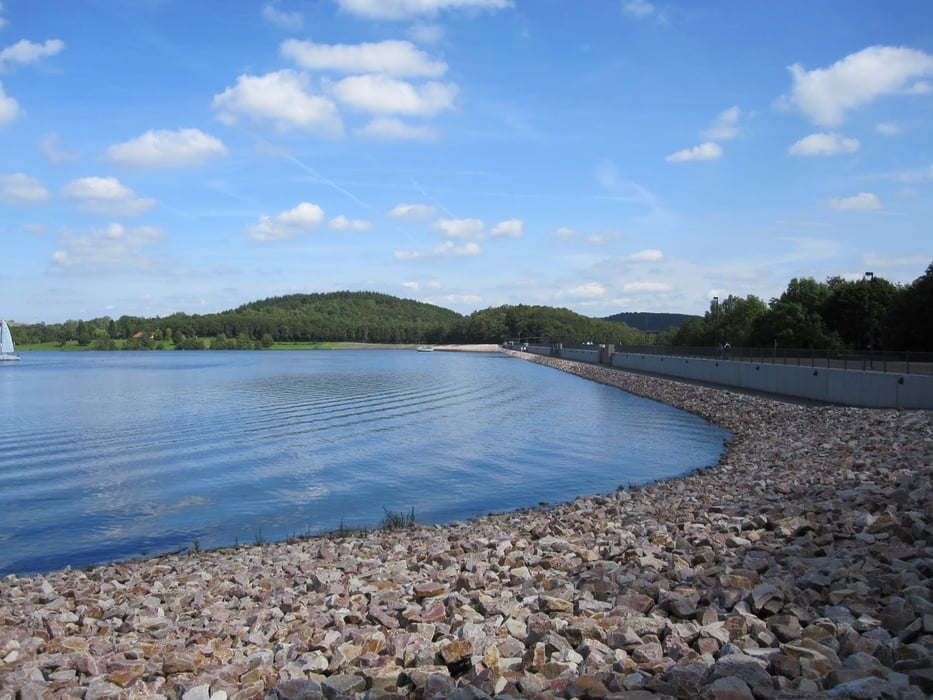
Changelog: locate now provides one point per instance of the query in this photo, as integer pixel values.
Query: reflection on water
(106, 456)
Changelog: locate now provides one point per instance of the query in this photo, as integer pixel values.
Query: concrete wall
(847, 387)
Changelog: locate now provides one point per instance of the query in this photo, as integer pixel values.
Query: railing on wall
(874, 361)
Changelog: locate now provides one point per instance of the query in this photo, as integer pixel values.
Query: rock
(799, 566)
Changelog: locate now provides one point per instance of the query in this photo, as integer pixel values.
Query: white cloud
(287, 20)
(460, 228)
(282, 97)
(394, 129)
(884, 260)
(342, 223)
(566, 232)
(590, 290)
(302, 219)
(377, 93)
(705, 151)
(404, 9)
(390, 57)
(912, 176)
(638, 8)
(24, 52)
(111, 249)
(447, 249)
(48, 146)
(725, 126)
(162, 148)
(826, 94)
(107, 196)
(888, 129)
(513, 228)
(9, 108)
(646, 287)
(412, 211)
(647, 255)
(425, 33)
(19, 188)
(863, 201)
(823, 144)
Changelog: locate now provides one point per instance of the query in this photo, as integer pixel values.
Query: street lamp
(870, 276)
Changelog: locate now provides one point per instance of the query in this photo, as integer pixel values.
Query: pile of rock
(800, 566)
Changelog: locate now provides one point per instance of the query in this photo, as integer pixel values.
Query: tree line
(869, 313)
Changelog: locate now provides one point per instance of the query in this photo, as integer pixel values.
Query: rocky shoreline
(800, 566)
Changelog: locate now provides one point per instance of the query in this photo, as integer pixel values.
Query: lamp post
(870, 276)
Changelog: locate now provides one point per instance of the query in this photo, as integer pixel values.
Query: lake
(108, 456)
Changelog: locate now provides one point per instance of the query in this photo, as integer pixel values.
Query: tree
(908, 324)
(795, 320)
(854, 310)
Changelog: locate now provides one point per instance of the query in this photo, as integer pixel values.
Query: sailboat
(7, 352)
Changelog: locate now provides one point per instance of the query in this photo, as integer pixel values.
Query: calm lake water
(107, 456)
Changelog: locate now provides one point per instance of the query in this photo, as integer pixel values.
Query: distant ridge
(651, 322)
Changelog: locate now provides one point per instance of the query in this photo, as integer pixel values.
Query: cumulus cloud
(162, 148)
(380, 94)
(19, 188)
(405, 9)
(390, 128)
(647, 255)
(824, 145)
(48, 147)
(826, 94)
(390, 57)
(646, 287)
(460, 228)
(725, 126)
(342, 223)
(447, 249)
(282, 97)
(513, 228)
(24, 52)
(113, 248)
(302, 219)
(590, 290)
(287, 20)
(705, 151)
(863, 201)
(107, 196)
(566, 232)
(412, 211)
(9, 108)
(888, 129)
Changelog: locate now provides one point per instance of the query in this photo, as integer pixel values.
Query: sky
(161, 156)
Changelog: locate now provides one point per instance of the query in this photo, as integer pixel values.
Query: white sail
(6, 343)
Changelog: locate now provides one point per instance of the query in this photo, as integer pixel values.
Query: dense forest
(866, 314)
(366, 317)
(869, 313)
(650, 322)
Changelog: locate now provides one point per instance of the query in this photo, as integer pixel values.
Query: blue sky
(600, 155)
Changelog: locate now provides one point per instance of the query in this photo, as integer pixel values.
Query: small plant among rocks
(397, 521)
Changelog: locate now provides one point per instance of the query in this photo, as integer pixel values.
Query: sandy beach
(800, 566)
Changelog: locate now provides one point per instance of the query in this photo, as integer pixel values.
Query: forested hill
(651, 322)
(367, 317)
(355, 316)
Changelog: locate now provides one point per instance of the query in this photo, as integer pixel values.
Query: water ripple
(111, 455)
